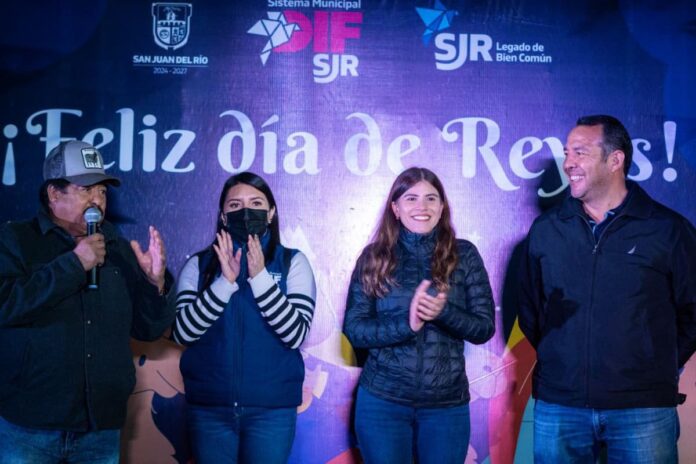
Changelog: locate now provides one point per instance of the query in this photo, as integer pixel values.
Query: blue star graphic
(435, 19)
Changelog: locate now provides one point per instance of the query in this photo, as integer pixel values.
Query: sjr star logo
(290, 31)
(453, 50)
(436, 19)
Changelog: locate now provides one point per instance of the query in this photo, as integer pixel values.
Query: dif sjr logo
(328, 31)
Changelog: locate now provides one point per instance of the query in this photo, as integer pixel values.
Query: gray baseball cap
(77, 162)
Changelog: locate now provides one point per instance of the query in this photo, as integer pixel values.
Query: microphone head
(92, 215)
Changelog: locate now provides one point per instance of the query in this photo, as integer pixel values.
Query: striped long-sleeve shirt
(290, 316)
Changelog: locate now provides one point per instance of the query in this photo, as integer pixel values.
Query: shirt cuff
(261, 282)
(223, 289)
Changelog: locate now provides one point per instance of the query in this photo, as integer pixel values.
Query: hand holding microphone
(91, 250)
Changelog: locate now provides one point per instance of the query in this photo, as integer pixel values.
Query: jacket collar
(412, 241)
(46, 226)
(265, 240)
(638, 204)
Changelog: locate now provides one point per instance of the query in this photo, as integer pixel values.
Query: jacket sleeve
(684, 290)
(471, 319)
(152, 313)
(290, 316)
(365, 328)
(196, 313)
(27, 293)
(529, 293)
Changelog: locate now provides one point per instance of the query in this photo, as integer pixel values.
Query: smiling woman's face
(419, 209)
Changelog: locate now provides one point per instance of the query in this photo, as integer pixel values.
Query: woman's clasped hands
(425, 307)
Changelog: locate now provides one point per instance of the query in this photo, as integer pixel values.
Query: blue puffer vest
(240, 360)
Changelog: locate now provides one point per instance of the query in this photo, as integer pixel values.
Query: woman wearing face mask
(244, 306)
(416, 294)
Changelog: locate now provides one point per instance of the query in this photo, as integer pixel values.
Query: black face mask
(245, 222)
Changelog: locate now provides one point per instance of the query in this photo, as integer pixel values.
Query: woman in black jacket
(416, 294)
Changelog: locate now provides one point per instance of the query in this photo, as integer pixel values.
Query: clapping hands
(424, 307)
(255, 257)
(230, 261)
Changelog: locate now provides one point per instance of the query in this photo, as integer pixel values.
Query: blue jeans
(631, 436)
(241, 434)
(21, 445)
(391, 433)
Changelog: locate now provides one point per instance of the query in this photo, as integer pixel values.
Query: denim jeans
(631, 436)
(241, 434)
(391, 433)
(21, 445)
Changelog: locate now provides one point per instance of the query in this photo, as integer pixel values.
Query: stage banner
(329, 100)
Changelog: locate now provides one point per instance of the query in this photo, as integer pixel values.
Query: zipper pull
(594, 249)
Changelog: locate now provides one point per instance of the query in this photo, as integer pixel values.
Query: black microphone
(92, 217)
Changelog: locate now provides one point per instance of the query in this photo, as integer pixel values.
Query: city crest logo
(171, 28)
(171, 24)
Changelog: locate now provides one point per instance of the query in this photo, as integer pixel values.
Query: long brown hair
(378, 261)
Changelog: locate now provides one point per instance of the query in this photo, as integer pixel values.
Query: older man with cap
(66, 369)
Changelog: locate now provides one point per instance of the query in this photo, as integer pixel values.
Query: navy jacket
(240, 360)
(65, 359)
(426, 368)
(612, 320)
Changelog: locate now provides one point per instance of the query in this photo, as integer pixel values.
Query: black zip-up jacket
(612, 319)
(423, 369)
(65, 360)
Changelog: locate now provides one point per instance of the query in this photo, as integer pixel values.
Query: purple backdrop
(329, 101)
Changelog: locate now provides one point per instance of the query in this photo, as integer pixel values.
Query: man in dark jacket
(608, 300)
(66, 369)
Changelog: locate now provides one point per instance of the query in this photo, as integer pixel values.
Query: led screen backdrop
(329, 101)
